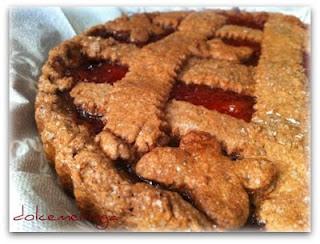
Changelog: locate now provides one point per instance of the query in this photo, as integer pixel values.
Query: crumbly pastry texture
(227, 202)
(126, 115)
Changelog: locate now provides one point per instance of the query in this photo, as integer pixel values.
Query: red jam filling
(98, 72)
(227, 102)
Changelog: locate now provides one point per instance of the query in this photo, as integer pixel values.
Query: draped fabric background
(32, 33)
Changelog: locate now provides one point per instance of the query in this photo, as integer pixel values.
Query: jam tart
(182, 121)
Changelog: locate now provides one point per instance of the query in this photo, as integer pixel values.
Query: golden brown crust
(218, 73)
(170, 19)
(212, 180)
(256, 173)
(279, 129)
(239, 33)
(219, 50)
(100, 190)
(158, 48)
(227, 203)
(284, 120)
(139, 27)
(98, 187)
(184, 117)
(106, 49)
(113, 146)
(282, 46)
(90, 97)
(69, 145)
(144, 91)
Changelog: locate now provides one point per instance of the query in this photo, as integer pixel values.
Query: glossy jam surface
(98, 72)
(227, 102)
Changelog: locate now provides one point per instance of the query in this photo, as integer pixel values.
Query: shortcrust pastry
(182, 121)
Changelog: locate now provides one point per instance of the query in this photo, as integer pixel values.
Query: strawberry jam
(98, 72)
(227, 102)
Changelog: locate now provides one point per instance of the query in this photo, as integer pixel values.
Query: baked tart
(182, 121)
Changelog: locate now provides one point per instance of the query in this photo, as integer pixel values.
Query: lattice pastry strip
(239, 33)
(284, 121)
(107, 49)
(218, 73)
(136, 29)
(170, 19)
(219, 50)
(91, 97)
(184, 117)
(144, 90)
